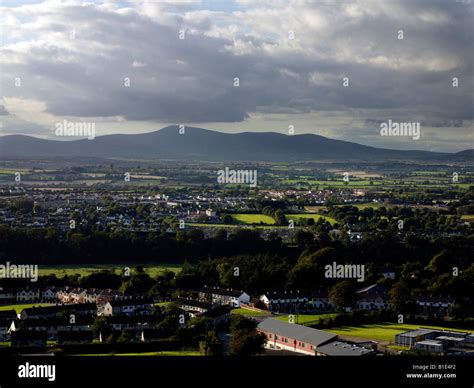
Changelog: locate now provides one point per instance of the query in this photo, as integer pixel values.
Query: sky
(333, 68)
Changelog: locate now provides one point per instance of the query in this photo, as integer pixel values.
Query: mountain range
(206, 145)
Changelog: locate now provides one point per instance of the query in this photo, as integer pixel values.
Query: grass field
(353, 183)
(468, 217)
(302, 319)
(230, 226)
(315, 217)
(86, 269)
(250, 313)
(314, 209)
(381, 331)
(373, 205)
(162, 304)
(152, 354)
(19, 307)
(249, 219)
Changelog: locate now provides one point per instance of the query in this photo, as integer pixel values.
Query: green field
(382, 331)
(353, 183)
(250, 313)
(315, 217)
(302, 319)
(415, 181)
(19, 307)
(249, 219)
(152, 354)
(230, 226)
(84, 270)
(373, 205)
(162, 304)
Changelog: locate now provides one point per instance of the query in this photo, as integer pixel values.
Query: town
(355, 266)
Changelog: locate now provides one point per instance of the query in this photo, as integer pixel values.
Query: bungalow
(29, 338)
(284, 301)
(28, 295)
(224, 296)
(128, 307)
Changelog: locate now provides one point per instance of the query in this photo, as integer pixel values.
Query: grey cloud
(191, 80)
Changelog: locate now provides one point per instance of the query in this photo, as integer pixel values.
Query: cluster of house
(72, 323)
(370, 298)
(71, 319)
(318, 197)
(437, 341)
(57, 208)
(30, 294)
(295, 338)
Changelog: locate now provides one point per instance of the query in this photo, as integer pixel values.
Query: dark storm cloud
(191, 80)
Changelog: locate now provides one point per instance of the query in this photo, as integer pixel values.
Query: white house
(211, 213)
(224, 296)
(284, 301)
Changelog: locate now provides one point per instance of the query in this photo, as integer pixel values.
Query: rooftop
(338, 348)
(430, 342)
(297, 332)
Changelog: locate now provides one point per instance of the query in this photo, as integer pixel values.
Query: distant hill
(206, 145)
